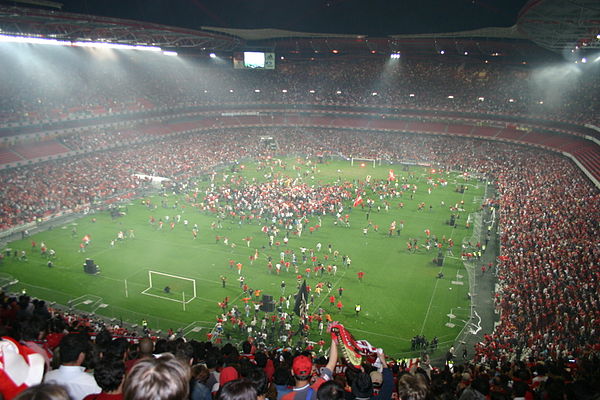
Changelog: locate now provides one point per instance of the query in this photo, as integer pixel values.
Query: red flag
(391, 176)
(358, 201)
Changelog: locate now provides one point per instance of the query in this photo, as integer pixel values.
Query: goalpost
(170, 287)
(359, 160)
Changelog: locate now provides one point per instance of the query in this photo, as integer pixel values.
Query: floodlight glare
(170, 53)
(395, 56)
(584, 60)
(33, 40)
(442, 52)
(284, 91)
(212, 55)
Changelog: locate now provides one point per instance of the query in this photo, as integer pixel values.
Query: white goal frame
(375, 161)
(184, 300)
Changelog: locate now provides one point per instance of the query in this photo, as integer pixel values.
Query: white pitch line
(381, 334)
(436, 284)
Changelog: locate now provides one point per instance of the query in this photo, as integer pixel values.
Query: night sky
(368, 17)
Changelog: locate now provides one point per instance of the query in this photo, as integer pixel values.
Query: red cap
(302, 366)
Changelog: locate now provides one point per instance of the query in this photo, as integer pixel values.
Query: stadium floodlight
(411, 95)
(442, 52)
(584, 60)
(33, 40)
(598, 36)
(466, 53)
(338, 92)
(481, 98)
(450, 97)
(511, 100)
(284, 91)
(311, 91)
(256, 90)
(374, 94)
(230, 90)
(54, 42)
(541, 102)
(170, 53)
(212, 55)
(395, 56)
(116, 46)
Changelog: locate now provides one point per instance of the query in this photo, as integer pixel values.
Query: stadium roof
(73, 27)
(266, 34)
(561, 25)
(555, 25)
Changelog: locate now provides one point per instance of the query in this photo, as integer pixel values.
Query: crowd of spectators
(65, 357)
(548, 270)
(55, 87)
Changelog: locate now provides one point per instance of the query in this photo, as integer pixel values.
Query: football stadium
(253, 208)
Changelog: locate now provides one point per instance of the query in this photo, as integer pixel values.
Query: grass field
(400, 294)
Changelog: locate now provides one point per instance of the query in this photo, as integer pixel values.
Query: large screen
(254, 60)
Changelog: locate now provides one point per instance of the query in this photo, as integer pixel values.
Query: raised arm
(333, 355)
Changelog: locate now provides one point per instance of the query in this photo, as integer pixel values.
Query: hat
(376, 378)
(302, 366)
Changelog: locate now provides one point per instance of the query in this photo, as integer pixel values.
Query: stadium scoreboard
(254, 60)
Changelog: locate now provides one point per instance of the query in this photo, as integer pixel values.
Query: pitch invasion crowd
(474, 86)
(79, 358)
(548, 270)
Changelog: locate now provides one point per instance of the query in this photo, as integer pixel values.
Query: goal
(170, 287)
(365, 161)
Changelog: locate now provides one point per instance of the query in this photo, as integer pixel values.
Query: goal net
(170, 287)
(360, 161)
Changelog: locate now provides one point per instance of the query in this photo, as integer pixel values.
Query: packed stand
(60, 91)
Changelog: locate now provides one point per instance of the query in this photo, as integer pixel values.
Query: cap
(376, 378)
(302, 366)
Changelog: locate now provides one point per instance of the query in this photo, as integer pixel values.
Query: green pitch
(400, 294)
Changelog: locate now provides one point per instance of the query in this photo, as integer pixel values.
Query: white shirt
(78, 383)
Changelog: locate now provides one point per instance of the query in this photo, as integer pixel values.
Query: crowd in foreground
(47, 355)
